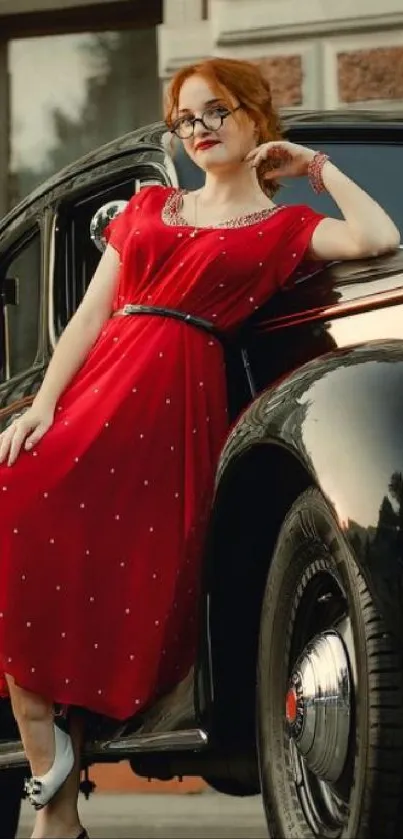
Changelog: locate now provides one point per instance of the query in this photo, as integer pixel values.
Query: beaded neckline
(172, 217)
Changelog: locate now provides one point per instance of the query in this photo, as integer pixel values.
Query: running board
(12, 754)
(192, 739)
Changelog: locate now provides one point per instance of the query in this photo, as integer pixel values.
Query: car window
(376, 167)
(21, 319)
(76, 255)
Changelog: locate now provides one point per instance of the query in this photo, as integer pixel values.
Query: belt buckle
(126, 309)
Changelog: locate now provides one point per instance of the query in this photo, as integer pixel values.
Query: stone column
(184, 37)
(182, 12)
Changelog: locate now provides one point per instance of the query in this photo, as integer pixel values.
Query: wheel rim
(319, 705)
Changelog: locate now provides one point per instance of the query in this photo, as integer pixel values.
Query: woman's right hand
(25, 431)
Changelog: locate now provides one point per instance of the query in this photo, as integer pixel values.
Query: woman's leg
(35, 718)
(60, 817)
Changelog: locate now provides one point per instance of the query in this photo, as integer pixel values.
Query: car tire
(322, 640)
(11, 790)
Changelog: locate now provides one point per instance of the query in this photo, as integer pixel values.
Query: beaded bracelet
(315, 169)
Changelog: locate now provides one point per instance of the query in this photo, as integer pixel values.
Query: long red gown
(102, 523)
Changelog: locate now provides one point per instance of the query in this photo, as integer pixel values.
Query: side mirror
(102, 218)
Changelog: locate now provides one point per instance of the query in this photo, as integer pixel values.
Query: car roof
(311, 122)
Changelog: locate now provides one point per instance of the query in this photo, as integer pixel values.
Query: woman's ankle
(52, 826)
(39, 744)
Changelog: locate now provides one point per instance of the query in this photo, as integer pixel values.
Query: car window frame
(63, 228)
(7, 256)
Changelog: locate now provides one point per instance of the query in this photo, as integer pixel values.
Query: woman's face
(218, 148)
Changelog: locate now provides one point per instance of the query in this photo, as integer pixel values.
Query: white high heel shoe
(41, 789)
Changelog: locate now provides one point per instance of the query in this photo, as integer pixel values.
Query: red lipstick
(206, 144)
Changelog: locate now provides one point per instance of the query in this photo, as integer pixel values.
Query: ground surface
(167, 817)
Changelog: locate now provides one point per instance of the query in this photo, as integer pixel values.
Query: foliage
(121, 92)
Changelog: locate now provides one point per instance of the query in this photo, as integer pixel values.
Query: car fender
(341, 417)
(337, 423)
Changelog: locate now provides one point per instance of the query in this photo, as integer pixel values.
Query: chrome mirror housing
(101, 219)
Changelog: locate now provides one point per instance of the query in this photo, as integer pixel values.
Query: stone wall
(364, 75)
(285, 74)
(323, 55)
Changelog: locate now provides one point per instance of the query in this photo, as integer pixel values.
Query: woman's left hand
(281, 159)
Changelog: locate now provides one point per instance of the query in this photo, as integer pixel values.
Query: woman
(112, 466)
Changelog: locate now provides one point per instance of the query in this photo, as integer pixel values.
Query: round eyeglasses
(211, 119)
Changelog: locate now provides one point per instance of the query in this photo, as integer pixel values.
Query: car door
(21, 368)
(20, 280)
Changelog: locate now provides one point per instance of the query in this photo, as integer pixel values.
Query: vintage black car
(297, 690)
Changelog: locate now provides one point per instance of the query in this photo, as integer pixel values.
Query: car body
(315, 385)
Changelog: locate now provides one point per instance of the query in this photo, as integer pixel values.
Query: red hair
(242, 80)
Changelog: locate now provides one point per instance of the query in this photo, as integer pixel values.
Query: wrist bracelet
(314, 172)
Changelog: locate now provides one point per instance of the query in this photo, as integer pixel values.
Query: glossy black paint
(341, 417)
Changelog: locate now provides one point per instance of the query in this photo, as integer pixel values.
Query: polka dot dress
(102, 524)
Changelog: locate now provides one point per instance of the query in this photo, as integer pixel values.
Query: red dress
(102, 523)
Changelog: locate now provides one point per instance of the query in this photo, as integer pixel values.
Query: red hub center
(291, 706)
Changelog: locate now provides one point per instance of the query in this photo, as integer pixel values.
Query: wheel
(329, 690)
(11, 788)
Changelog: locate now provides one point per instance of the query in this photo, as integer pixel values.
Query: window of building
(71, 93)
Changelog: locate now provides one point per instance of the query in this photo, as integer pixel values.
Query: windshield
(377, 168)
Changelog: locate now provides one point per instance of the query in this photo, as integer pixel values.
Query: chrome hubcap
(318, 705)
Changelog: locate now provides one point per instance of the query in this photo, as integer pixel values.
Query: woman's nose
(199, 129)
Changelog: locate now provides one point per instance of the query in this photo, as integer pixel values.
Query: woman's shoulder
(148, 199)
(147, 194)
(295, 209)
(150, 192)
(294, 213)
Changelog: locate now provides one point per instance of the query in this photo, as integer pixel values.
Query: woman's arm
(366, 229)
(81, 332)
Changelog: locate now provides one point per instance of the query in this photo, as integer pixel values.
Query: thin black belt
(161, 311)
(199, 323)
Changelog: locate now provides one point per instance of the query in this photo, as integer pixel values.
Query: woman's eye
(217, 112)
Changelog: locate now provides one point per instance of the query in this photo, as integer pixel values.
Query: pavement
(208, 815)
(211, 815)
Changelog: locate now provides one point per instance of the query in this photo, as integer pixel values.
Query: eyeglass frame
(193, 120)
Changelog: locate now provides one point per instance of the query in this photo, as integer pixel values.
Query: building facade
(76, 73)
(316, 54)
